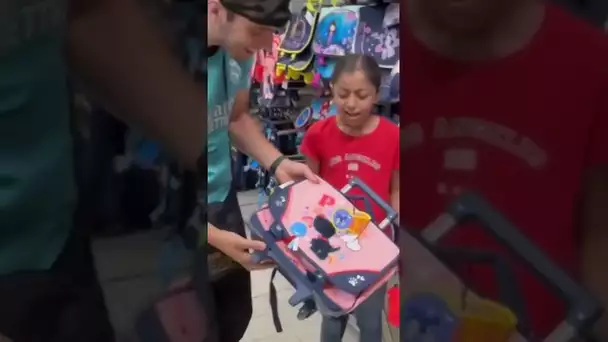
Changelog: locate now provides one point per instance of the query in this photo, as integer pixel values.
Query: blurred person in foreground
(509, 98)
(47, 273)
(49, 288)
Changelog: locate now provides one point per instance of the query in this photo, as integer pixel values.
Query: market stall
(291, 82)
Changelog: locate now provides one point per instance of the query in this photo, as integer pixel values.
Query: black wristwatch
(275, 164)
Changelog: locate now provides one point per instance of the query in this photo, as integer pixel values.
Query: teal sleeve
(245, 81)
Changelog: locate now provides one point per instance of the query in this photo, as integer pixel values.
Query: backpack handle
(391, 214)
(583, 308)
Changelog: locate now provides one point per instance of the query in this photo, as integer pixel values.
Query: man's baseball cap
(274, 13)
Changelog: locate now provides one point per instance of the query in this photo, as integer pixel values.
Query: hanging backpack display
(377, 40)
(389, 88)
(296, 55)
(265, 73)
(335, 37)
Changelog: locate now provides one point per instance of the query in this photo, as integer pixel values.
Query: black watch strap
(275, 164)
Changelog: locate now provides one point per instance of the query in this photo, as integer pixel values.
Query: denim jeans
(369, 321)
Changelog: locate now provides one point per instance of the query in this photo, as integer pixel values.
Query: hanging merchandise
(368, 30)
(389, 93)
(392, 15)
(365, 27)
(311, 43)
(295, 53)
(377, 40)
(319, 109)
(379, 37)
(389, 88)
(336, 31)
(265, 73)
(277, 100)
(335, 37)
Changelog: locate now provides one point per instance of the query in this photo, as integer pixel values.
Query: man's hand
(239, 249)
(248, 138)
(289, 170)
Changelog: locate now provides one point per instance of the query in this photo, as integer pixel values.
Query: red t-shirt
(520, 131)
(372, 157)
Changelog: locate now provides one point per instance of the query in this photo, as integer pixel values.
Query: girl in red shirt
(358, 143)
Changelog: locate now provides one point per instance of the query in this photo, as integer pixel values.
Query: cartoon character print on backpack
(298, 231)
(336, 31)
(320, 245)
(376, 40)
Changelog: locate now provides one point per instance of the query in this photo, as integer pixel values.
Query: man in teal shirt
(236, 30)
(45, 253)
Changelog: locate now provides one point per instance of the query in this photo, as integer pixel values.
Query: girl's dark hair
(354, 62)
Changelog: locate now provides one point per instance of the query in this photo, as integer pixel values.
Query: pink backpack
(331, 252)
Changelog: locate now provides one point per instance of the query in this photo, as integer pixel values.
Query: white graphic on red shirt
(335, 160)
(463, 159)
(460, 159)
(413, 135)
(352, 168)
(354, 159)
(363, 159)
(494, 134)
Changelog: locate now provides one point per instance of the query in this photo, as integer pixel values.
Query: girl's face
(354, 97)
